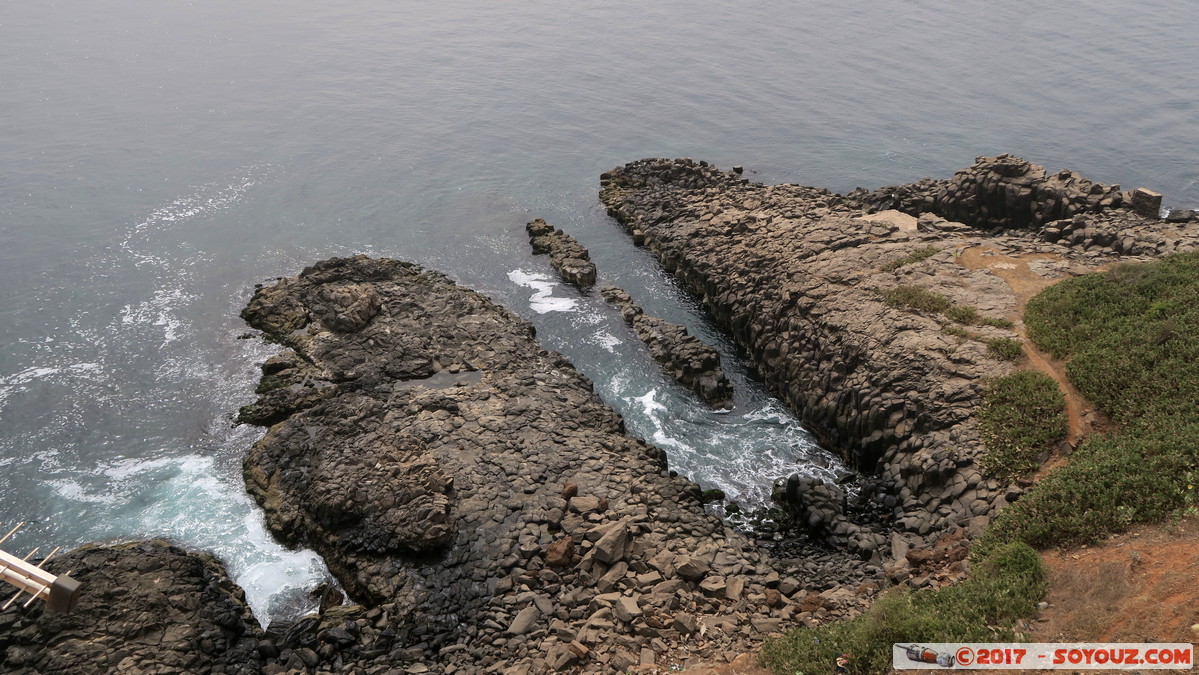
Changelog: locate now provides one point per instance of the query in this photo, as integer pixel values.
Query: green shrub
(956, 331)
(914, 257)
(1005, 348)
(1023, 416)
(997, 323)
(916, 297)
(965, 314)
(1004, 587)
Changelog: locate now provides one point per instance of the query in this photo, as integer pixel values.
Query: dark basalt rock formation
(798, 276)
(485, 506)
(1005, 192)
(147, 607)
(567, 255)
(689, 361)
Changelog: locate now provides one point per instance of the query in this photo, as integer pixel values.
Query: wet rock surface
(485, 508)
(567, 255)
(799, 277)
(146, 607)
(685, 358)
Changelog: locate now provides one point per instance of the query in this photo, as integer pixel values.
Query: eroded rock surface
(567, 255)
(799, 277)
(484, 505)
(145, 607)
(686, 358)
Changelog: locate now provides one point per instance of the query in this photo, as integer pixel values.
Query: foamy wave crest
(187, 501)
(543, 299)
(205, 199)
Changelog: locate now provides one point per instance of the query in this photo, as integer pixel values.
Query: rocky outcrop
(1003, 192)
(484, 506)
(880, 327)
(567, 255)
(146, 607)
(688, 360)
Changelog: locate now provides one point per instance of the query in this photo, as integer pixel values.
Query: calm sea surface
(159, 158)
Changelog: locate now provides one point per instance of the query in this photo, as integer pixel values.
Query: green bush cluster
(1131, 335)
(913, 257)
(1003, 587)
(1005, 348)
(1023, 416)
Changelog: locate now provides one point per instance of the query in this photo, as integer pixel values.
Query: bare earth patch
(1136, 587)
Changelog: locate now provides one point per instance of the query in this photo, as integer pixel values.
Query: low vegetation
(963, 314)
(1131, 337)
(1023, 416)
(1005, 348)
(921, 299)
(913, 257)
(918, 298)
(1003, 587)
(995, 323)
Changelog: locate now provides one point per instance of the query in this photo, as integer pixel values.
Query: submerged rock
(685, 358)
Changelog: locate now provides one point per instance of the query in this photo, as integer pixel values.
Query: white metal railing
(60, 593)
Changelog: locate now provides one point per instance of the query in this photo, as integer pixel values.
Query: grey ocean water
(159, 158)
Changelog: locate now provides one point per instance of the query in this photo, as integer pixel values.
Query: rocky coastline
(567, 255)
(486, 509)
(487, 513)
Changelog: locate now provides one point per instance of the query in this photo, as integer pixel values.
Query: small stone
(691, 568)
(713, 587)
(524, 620)
(584, 504)
(613, 545)
(685, 623)
(626, 609)
(766, 625)
(561, 552)
(734, 588)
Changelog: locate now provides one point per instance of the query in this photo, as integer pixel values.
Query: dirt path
(1025, 283)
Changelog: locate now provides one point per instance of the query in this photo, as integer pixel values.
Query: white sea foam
(649, 403)
(159, 311)
(606, 340)
(543, 299)
(204, 199)
(189, 502)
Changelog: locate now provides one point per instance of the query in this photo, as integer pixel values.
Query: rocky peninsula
(482, 504)
(877, 318)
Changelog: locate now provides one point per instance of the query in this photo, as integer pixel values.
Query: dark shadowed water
(159, 158)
